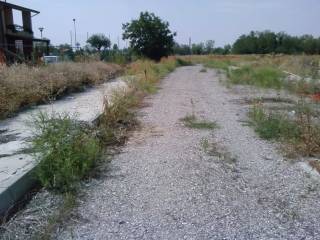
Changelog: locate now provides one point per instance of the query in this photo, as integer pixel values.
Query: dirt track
(165, 186)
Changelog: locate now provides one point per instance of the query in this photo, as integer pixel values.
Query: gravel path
(165, 186)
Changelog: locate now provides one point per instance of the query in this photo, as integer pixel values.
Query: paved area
(172, 182)
(14, 133)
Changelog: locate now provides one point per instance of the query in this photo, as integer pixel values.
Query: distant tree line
(149, 36)
(200, 49)
(270, 42)
(265, 42)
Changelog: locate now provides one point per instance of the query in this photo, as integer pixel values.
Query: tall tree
(149, 36)
(99, 41)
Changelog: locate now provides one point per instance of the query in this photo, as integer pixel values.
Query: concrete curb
(15, 191)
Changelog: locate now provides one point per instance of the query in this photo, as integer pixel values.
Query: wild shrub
(65, 150)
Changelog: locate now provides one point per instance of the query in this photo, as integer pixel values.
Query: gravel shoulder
(163, 185)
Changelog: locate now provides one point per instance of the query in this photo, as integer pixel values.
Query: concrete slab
(15, 167)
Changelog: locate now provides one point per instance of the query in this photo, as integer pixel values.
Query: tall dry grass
(22, 85)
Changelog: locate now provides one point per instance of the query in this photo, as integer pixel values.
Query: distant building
(17, 43)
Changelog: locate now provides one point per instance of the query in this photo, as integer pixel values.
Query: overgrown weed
(65, 150)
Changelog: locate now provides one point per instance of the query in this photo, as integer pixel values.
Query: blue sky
(220, 20)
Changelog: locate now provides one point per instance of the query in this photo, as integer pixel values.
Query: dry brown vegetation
(22, 85)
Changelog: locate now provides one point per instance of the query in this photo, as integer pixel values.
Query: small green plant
(203, 70)
(209, 147)
(191, 121)
(66, 151)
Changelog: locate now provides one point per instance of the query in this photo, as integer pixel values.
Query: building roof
(16, 7)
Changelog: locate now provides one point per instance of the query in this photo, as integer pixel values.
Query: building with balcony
(17, 43)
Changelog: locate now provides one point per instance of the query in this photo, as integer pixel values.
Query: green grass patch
(265, 77)
(218, 64)
(273, 126)
(300, 134)
(191, 121)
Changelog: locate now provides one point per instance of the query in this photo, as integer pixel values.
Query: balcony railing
(19, 29)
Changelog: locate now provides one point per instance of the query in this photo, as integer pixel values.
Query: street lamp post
(41, 30)
(75, 32)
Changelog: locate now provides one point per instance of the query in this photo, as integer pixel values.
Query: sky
(220, 20)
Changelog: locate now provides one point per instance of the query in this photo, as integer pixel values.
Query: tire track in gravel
(164, 186)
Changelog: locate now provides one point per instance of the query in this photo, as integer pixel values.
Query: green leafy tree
(149, 36)
(99, 41)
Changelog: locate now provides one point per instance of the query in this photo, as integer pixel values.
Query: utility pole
(118, 42)
(71, 39)
(190, 46)
(75, 32)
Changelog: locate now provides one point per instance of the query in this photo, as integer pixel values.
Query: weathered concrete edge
(10, 195)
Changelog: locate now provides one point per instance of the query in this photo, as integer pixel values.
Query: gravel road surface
(164, 185)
